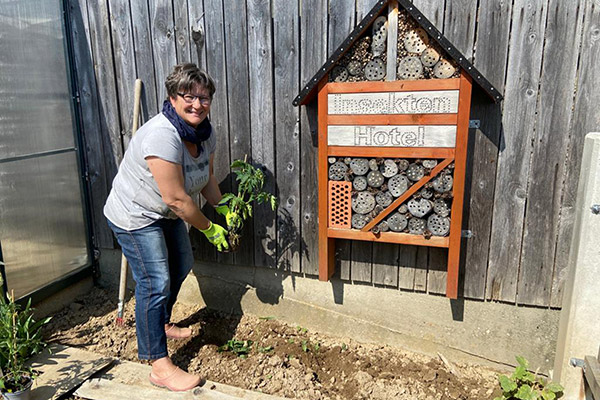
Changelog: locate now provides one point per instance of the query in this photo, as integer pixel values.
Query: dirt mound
(274, 357)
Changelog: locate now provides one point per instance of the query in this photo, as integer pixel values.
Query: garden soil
(284, 360)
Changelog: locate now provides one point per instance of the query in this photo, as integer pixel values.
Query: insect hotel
(393, 121)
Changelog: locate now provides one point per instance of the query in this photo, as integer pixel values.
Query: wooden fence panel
(286, 57)
(122, 43)
(342, 20)
(260, 60)
(197, 31)
(386, 255)
(433, 11)
(459, 24)
(144, 59)
(182, 31)
(586, 118)
(361, 265)
(524, 65)
(94, 147)
(459, 28)
(313, 51)
(562, 36)
(99, 23)
(219, 114)
(429, 276)
(493, 32)
(521, 182)
(238, 100)
(162, 29)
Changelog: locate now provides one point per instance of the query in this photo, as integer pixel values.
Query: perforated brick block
(340, 204)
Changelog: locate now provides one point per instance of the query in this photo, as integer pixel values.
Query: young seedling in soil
(240, 348)
(250, 188)
(525, 385)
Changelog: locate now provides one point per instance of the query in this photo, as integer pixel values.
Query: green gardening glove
(232, 219)
(216, 235)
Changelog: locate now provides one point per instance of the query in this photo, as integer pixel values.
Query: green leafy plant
(265, 349)
(240, 348)
(20, 339)
(525, 385)
(250, 189)
(300, 329)
(305, 346)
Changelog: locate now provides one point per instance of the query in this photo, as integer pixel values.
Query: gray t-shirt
(135, 201)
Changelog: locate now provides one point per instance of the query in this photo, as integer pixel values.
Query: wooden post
(326, 244)
(460, 164)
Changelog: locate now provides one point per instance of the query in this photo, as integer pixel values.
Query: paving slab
(63, 369)
(126, 379)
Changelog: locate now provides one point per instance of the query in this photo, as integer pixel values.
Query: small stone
(429, 375)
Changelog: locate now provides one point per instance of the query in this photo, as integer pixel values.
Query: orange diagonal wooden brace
(412, 190)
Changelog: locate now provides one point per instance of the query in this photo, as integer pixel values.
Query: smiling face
(192, 113)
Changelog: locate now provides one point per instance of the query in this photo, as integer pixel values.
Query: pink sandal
(177, 381)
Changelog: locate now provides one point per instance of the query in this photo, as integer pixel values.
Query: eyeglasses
(190, 98)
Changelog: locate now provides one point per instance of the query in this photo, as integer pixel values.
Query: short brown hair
(185, 76)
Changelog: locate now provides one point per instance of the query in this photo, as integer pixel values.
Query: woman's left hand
(216, 235)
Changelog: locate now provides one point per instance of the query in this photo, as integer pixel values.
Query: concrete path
(104, 378)
(128, 380)
(63, 369)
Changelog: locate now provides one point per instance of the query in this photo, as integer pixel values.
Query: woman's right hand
(216, 235)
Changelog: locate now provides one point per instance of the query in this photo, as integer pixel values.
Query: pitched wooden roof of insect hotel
(422, 53)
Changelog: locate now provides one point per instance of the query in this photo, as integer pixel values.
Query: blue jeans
(160, 257)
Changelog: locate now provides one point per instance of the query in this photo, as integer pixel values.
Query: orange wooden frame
(458, 155)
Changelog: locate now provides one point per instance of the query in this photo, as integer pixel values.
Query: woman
(168, 160)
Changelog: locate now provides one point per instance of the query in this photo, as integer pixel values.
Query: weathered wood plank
(162, 29)
(182, 31)
(524, 65)
(385, 264)
(433, 11)
(407, 260)
(586, 118)
(90, 121)
(124, 58)
(144, 59)
(286, 62)
(219, 114)
(341, 22)
(493, 32)
(238, 101)
(260, 61)
(99, 28)
(438, 270)
(197, 30)
(361, 267)
(313, 50)
(460, 23)
(562, 36)
(421, 269)
(460, 18)
(342, 18)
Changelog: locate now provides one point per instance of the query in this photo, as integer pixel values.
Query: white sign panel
(392, 135)
(426, 102)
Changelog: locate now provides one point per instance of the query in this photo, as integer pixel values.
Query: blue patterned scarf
(187, 132)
